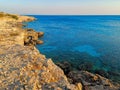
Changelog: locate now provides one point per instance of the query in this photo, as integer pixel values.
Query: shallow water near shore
(81, 39)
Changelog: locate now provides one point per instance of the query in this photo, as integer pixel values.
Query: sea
(86, 41)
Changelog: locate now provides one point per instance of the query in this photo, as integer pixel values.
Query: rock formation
(88, 80)
(31, 37)
(91, 81)
(23, 67)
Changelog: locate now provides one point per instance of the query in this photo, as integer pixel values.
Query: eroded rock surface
(88, 80)
(23, 67)
(32, 37)
(92, 81)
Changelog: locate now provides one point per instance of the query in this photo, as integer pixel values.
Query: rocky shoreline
(32, 37)
(23, 67)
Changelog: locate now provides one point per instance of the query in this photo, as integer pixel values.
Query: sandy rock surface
(25, 68)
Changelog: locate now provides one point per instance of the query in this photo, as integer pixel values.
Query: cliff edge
(23, 67)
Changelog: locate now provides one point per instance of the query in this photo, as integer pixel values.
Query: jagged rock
(65, 66)
(31, 37)
(79, 86)
(39, 42)
(91, 81)
(102, 73)
(40, 34)
(23, 67)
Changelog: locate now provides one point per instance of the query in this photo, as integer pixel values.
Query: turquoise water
(81, 39)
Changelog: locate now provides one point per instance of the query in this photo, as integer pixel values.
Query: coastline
(24, 67)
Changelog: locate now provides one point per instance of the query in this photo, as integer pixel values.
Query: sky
(61, 7)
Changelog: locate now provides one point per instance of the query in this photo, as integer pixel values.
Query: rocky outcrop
(23, 67)
(91, 81)
(31, 37)
(40, 34)
(10, 34)
(88, 80)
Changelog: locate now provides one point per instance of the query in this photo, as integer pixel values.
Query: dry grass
(12, 16)
(1, 15)
(8, 15)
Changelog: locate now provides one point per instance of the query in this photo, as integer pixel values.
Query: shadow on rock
(65, 66)
(87, 66)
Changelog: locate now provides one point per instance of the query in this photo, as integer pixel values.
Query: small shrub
(1, 15)
(12, 16)
(9, 15)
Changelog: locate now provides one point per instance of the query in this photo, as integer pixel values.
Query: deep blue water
(80, 39)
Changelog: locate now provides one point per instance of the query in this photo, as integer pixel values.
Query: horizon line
(75, 14)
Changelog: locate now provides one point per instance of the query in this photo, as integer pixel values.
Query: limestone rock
(40, 34)
(91, 81)
(31, 37)
(39, 42)
(23, 67)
